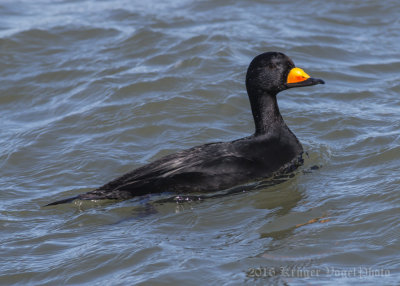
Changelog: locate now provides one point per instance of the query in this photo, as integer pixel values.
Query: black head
(269, 73)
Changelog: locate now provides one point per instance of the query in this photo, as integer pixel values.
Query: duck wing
(205, 168)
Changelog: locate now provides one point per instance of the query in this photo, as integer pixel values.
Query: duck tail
(64, 201)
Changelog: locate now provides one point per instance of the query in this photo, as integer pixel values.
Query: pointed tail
(64, 201)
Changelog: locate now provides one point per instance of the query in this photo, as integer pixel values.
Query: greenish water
(92, 89)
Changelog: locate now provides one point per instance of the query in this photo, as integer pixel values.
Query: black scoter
(273, 148)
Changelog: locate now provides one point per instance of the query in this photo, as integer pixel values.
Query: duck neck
(265, 112)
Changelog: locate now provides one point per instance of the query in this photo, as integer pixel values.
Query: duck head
(268, 74)
(273, 72)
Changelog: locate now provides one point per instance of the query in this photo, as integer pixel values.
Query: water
(92, 89)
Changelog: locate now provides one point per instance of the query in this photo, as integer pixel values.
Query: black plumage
(273, 148)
